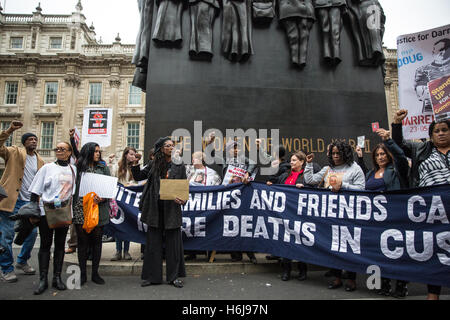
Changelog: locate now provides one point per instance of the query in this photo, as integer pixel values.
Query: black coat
(149, 204)
(416, 151)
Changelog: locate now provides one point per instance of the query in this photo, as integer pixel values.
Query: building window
(133, 133)
(95, 93)
(4, 125)
(134, 95)
(55, 43)
(12, 89)
(51, 92)
(47, 132)
(16, 42)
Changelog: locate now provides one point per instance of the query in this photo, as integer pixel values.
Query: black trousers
(86, 240)
(59, 239)
(152, 269)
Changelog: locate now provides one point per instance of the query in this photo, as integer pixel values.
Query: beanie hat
(26, 136)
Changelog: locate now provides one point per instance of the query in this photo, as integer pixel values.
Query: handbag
(62, 216)
(263, 11)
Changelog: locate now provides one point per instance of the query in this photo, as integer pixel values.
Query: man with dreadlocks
(163, 218)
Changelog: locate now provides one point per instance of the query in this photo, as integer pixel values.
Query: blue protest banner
(405, 233)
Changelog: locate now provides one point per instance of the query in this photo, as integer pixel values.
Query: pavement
(201, 265)
(221, 281)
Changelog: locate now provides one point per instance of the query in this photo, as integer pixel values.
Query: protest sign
(236, 174)
(440, 97)
(405, 233)
(97, 126)
(422, 57)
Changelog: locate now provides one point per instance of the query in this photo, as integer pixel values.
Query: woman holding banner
(295, 177)
(90, 160)
(341, 173)
(122, 170)
(430, 162)
(163, 218)
(390, 172)
(54, 181)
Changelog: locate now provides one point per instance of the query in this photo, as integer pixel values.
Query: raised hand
(384, 134)
(400, 115)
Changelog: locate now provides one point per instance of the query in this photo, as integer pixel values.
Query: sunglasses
(60, 149)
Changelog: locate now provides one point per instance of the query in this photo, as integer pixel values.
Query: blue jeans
(126, 246)
(7, 237)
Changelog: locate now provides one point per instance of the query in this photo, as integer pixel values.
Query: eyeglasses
(60, 149)
(168, 146)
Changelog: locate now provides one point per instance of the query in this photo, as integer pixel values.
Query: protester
(164, 219)
(295, 176)
(54, 180)
(280, 163)
(90, 161)
(390, 172)
(237, 159)
(199, 174)
(72, 241)
(341, 173)
(21, 165)
(122, 170)
(141, 174)
(430, 161)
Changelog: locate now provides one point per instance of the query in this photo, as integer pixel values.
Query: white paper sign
(97, 126)
(104, 186)
(361, 141)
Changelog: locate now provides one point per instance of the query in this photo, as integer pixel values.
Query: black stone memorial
(261, 88)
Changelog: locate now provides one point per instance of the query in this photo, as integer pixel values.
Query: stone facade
(48, 64)
(391, 82)
(39, 53)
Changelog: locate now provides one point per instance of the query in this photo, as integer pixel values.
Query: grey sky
(113, 16)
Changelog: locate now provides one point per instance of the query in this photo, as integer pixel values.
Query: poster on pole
(97, 126)
(422, 58)
(440, 97)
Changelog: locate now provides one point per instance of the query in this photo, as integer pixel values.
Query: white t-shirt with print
(54, 180)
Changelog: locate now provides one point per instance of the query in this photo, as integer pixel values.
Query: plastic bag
(90, 210)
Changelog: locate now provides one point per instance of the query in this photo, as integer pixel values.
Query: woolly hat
(160, 143)
(26, 136)
(230, 144)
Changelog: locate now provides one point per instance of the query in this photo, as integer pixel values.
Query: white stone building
(52, 67)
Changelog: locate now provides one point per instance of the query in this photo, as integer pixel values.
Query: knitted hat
(160, 143)
(26, 136)
(230, 144)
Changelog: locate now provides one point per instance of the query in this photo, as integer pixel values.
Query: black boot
(401, 290)
(44, 261)
(287, 266)
(385, 289)
(58, 260)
